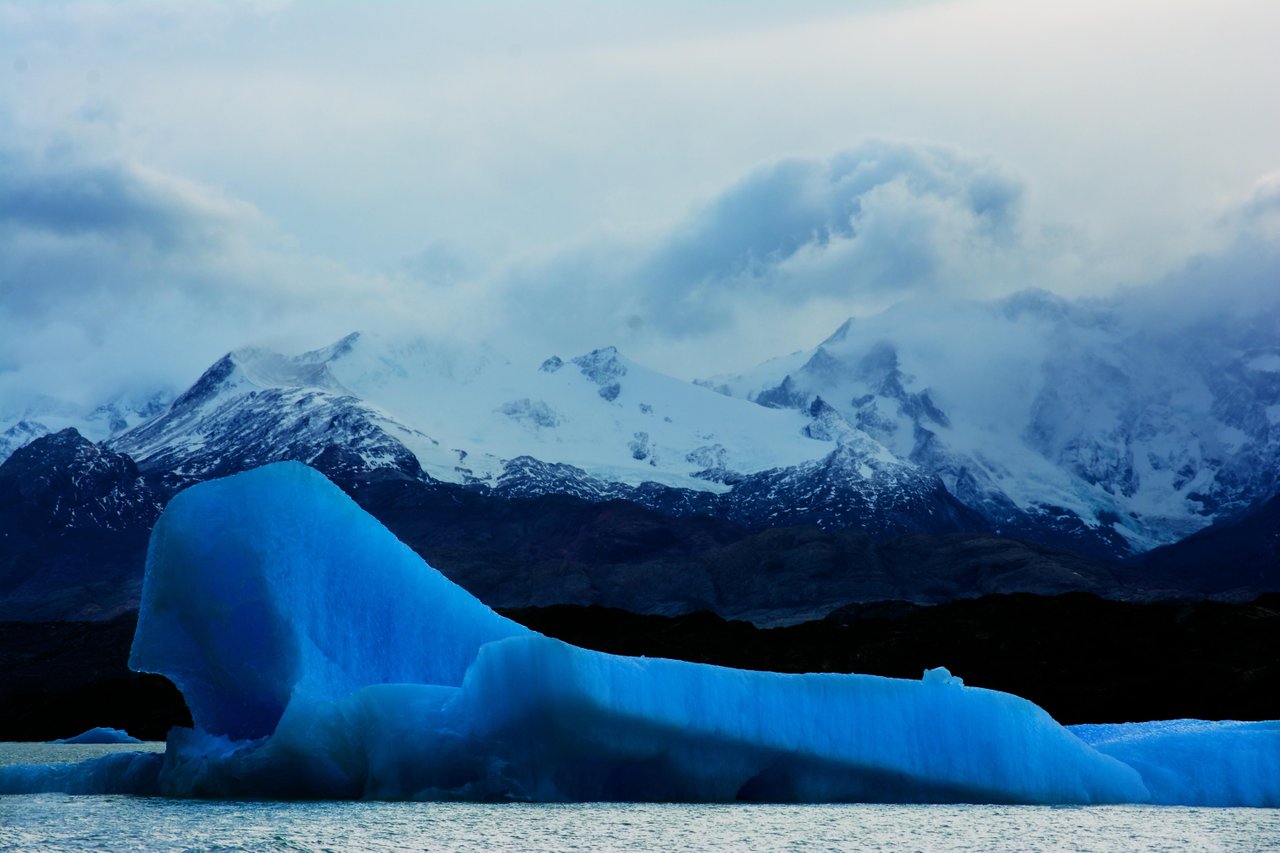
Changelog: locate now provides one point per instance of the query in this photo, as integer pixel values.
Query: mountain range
(1063, 436)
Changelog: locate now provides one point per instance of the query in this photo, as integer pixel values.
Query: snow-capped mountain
(45, 416)
(253, 407)
(465, 417)
(1058, 421)
(600, 412)
(1075, 424)
(597, 427)
(595, 480)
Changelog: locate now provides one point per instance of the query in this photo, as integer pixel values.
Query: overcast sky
(704, 185)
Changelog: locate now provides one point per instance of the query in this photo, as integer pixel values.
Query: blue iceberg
(321, 657)
(1196, 762)
(100, 735)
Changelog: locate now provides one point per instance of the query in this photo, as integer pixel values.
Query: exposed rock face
(74, 522)
(605, 369)
(73, 484)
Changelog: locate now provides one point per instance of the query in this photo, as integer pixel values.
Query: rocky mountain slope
(82, 558)
(74, 524)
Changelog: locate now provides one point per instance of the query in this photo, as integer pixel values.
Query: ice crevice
(322, 658)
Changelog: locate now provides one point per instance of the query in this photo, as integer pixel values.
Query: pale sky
(703, 185)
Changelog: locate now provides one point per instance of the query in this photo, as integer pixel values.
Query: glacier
(322, 658)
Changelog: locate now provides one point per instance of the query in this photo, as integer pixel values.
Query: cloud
(1260, 213)
(885, 216)
(1237, 282)
(876, 223)
(73, 231)
(782, 255)
(112, 199)
(117, 278)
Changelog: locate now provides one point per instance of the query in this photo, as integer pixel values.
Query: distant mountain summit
(252, 407)
(902, 457)
(1067, 423)
(21, 422)
(459, 416)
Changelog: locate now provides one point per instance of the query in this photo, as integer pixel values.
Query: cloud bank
(689, 185)
(116, 279)
(884, 219)
(799, 244)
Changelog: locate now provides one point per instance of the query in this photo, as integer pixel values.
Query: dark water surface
(60, 822)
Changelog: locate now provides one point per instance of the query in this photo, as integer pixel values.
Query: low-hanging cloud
(781, 208)
(1238, 282)
(116, 278)
(884, 217)
(75, 230)
(881, 221)
(784, 254)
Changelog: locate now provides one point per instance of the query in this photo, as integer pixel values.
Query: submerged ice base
(321, 657)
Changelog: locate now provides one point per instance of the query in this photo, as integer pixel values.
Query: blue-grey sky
(705, 185)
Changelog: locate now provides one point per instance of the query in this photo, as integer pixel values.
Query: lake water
(60, 822)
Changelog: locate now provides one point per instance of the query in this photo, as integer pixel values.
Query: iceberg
(1197, 762)
(273, 587)
(101, 734)
(322, 658)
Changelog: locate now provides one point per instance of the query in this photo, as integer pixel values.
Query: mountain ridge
(1092, 441)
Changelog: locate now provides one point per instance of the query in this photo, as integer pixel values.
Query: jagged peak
(66, 447)
(600, 356)
(61, 441)
(840, 335)
(823, 365)
(821, 408)
(69, 437)
(829, 425)
(339, 348)
(784, 395)
(261, 368)
(855, 449)
(26, 426)
(209, 384)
